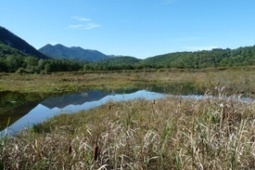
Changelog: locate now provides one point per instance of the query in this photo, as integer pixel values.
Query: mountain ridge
(11, 40)
(60, 51)
(13, 48)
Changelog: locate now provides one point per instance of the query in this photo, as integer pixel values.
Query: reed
(171, 133)
(239, 81)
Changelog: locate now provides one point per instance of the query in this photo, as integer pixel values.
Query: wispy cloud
(83, 23)
(78, 18)
(87, 26)
(75, 26)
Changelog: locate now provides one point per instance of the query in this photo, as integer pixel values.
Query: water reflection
(32, 113)
(72, 103)
(14, 105)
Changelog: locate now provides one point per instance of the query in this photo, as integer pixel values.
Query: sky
(138, 28)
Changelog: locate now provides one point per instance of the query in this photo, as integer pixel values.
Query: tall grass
(237, 80)
(171, 133)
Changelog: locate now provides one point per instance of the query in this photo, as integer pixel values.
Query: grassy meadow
(170, 133)
(234, 80)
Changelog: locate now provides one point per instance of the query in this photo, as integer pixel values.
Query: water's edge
(75, 102)
(72, 103)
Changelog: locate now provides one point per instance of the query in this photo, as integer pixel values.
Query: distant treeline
(243, 56)
(16, 61)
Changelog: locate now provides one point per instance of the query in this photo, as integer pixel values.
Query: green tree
(41, 64)
(3, 66)
(14, 62)
(31, 63)
(47, 68)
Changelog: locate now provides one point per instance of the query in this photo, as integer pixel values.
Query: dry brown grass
(171, 133)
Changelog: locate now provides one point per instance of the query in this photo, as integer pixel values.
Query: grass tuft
(171, 133)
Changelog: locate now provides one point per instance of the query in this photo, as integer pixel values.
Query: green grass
(170, 133)
(201, 81)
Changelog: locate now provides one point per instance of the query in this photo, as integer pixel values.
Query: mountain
(12, 44)
(61, 52)
(6, 50)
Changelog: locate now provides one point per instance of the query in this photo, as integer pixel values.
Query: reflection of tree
(11, 115)
(16, 105)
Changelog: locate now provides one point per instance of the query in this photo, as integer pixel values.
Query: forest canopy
(12, 60)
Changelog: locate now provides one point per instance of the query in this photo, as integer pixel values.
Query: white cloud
(83, 23)
(83, 19)
(87, 26)
(76, 26)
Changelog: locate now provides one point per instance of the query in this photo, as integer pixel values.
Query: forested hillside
(12, 40)
(116, 63)
(242, 56)
(16, 55)
(12, 60)
(19, 62)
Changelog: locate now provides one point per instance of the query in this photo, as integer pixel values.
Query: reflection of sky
(41, 112)
(74, 98)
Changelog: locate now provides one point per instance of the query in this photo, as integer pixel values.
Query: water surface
(71, 103)
(26, 112)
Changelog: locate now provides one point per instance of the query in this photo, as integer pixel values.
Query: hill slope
(12, 43)
(61, 52)
(242, 56)
(116, 63)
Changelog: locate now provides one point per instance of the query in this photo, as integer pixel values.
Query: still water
(69, 103)
(27, 110)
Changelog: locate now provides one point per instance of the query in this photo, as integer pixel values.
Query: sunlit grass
(171, 133)
(236, 81)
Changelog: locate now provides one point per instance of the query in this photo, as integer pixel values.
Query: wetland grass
(237, 80)
(171, 133)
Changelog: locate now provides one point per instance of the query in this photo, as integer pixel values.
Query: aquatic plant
(171, 133)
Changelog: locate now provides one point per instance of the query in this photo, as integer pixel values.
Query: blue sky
(139, 28)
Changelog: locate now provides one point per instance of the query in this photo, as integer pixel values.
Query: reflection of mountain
(11, 116)
(15, 105)
(87, 101)
(74, 99)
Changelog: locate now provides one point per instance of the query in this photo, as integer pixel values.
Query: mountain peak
(62, 52)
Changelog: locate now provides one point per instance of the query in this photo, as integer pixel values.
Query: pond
(27, 112)
(19, 111)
